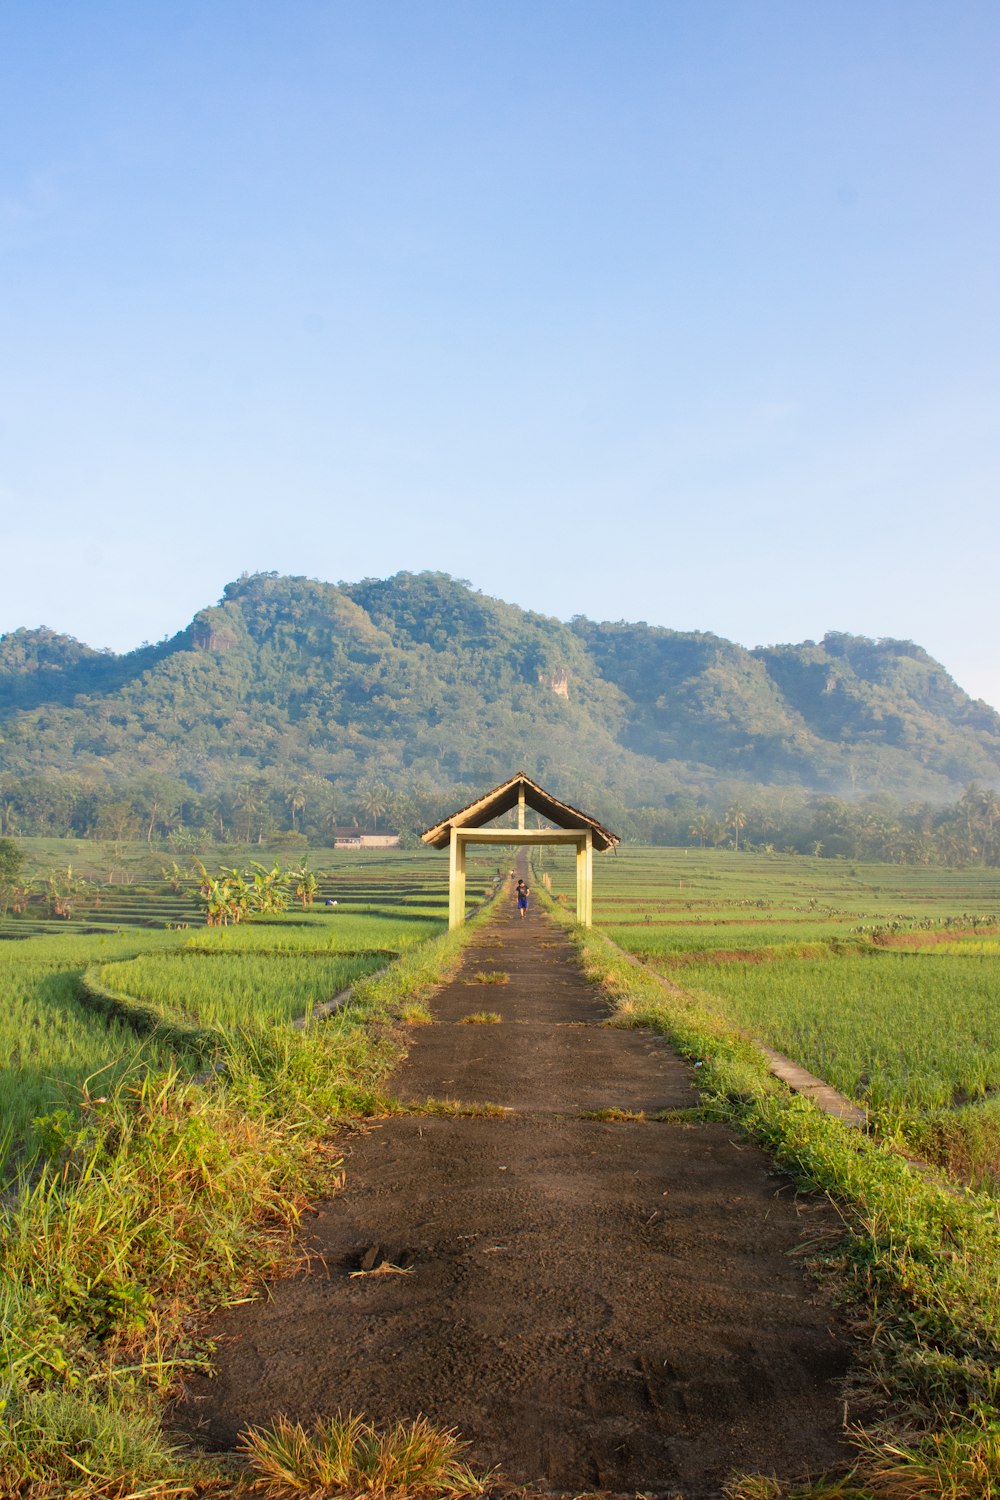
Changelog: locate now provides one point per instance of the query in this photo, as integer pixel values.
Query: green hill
(421, 684)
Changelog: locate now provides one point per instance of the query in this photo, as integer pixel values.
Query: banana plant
(305, 887)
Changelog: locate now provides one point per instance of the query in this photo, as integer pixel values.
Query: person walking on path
(522, 893)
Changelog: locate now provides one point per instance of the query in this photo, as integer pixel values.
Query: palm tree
(701, 829)
(736, 819)
(296, 800)
(246, 802)
(374, 800)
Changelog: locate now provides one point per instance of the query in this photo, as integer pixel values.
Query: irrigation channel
(592, 1303)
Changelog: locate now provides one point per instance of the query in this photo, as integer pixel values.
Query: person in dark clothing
(522, 894)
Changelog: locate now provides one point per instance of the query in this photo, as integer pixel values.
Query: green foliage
(11, 860)
(295, 705)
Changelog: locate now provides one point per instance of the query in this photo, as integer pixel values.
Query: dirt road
(593, 1305)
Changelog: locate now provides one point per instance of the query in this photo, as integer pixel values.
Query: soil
(594, 1305)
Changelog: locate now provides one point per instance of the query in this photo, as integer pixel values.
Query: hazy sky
(670, 310)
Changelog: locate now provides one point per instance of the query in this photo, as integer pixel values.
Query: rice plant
(894, 1031)
(230, 989)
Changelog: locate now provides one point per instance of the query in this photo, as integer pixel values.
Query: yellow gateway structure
(572, 827)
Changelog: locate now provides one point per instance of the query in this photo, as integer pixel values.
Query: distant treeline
(167, 814)
(966, 832)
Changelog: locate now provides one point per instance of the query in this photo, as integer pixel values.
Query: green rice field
(231, 989)
(50, 1043)
(149, 943)
(896, 1031)
(882, 979)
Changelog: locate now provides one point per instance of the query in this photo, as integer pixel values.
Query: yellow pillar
(585, 879)
(456, 880)
(588, 905)
(520, 807)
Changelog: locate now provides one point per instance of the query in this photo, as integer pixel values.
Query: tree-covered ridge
(43, 667)
(846, 713)
(418, 683)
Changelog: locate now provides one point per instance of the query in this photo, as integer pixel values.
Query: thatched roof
(502, 798)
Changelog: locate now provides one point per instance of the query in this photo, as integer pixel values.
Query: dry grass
(614, 1113)
(493, 976)
(384, 1268)
(432, 1106)
(766, 1487)
(348, 1457)
(944, 1465)
(481, 1018)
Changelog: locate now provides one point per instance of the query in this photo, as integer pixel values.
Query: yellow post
(520, 807)
(585, 879)
(456, 880)
(588, 878)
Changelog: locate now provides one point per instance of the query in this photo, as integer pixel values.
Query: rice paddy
(228, 990)
(52, 1049)
(897, 1032)
(149, 943)
(882, 979)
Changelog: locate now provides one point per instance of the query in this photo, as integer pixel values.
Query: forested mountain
(421, 686)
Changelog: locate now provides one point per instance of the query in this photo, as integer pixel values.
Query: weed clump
(613, 1114)
(456, 1107)
(347, 1456)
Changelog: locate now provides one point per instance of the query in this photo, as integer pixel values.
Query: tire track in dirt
(594, 1305)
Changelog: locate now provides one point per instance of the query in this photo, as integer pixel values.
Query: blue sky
(684, 312)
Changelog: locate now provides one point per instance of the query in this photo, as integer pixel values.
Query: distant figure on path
(522, 899)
